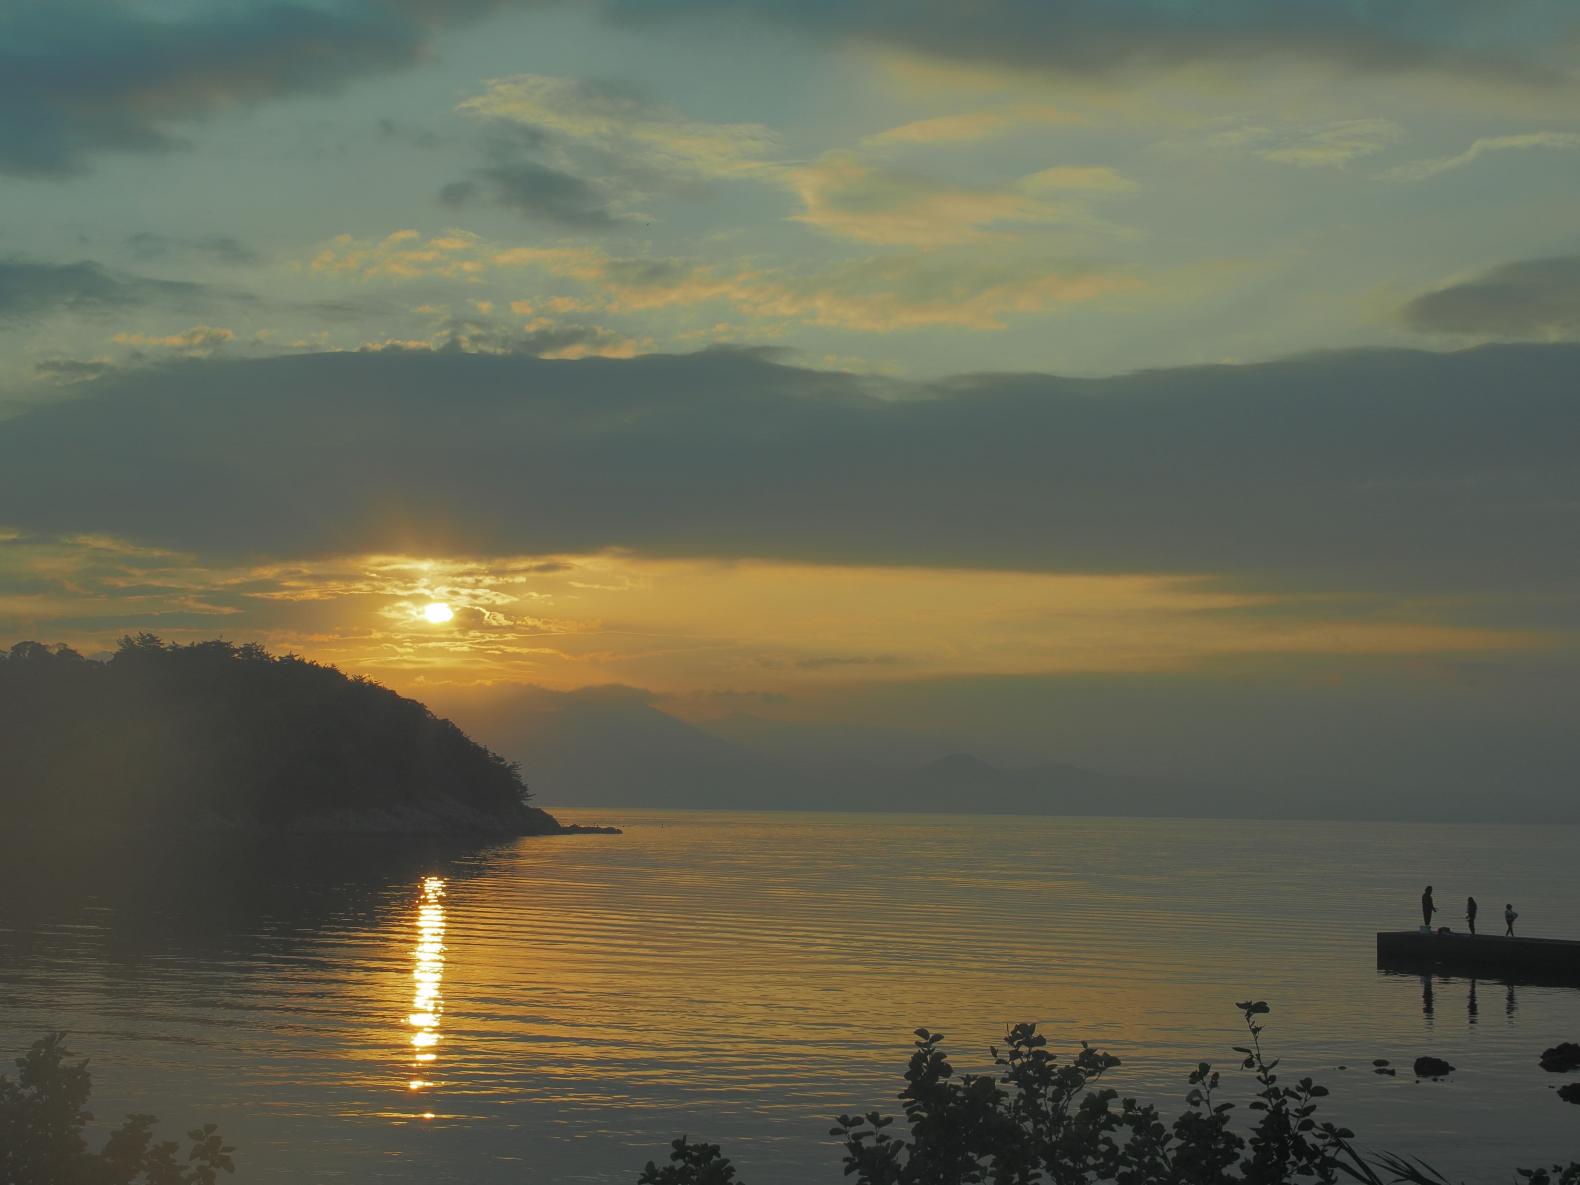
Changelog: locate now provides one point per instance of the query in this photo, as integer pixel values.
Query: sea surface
(557, 1010)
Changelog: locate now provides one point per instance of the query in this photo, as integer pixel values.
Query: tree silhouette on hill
(165, 733)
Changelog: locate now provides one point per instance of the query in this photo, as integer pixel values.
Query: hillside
(224, 735)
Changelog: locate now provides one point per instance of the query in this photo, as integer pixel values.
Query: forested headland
(224, 735)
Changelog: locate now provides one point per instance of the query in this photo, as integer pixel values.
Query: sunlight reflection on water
(428, 976)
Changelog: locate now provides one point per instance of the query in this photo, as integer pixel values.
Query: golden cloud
(970, 125)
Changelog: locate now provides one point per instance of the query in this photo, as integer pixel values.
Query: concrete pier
(1529, 960)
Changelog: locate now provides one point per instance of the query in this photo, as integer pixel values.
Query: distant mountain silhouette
(610, 746)
(224, 735)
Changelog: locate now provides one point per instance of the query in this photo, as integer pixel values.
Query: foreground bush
(42, 1116)
(1037, 1121)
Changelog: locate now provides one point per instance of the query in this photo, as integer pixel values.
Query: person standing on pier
(1427, 908)
(1508, 920)
(1470, 913)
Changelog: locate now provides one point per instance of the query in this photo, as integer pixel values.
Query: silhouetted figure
(1470, 913)
(1427, 908)
(1508, 921)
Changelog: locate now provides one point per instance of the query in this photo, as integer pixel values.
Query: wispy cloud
(1331, 145)
(977, 289)
(854, 197)
(197, 342)
(224, 248)
(31, 289)
(969, 126)
(629, 127)
(401, 254)
(1424, 170)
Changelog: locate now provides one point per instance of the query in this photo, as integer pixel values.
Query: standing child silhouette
(1508, 920)
(1470, 913)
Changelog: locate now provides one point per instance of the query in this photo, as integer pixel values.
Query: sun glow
(438, 612)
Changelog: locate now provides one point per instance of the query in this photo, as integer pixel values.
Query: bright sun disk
(438, 612)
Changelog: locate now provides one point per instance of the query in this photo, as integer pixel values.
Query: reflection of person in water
(1470, 913)
(1508, 920)
(1508, 1001)
(1427, 908)
(1470, 1002)
(1426, 995)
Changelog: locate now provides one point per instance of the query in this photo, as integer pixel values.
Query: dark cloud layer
(1397, 468)
(79, 77)
(1520, 41)
(1531, 299)
(29, 289)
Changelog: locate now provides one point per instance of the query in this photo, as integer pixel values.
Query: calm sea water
(556, 1010)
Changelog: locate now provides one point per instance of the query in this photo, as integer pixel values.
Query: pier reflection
(427, 1001)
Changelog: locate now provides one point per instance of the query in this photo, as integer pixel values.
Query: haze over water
(563, 1008)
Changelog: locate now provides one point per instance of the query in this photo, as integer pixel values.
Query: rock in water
(1432, 1067)
(1561, 1058)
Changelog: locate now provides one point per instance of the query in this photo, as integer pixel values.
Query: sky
(1179, 388)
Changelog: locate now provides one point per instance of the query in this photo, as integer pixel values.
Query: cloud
(881, 294)
(549, 136)
(1392, 468)
(852, 197)
(81, 77)
(198, 341)
(1522, 43)
(29, 290)
(585, 154)
(1534, 299)
(623, 125)
(535, 191)
(968, 126)
(540, 338)
(224, 248)
(1423, 170)
(876, 294)
(401, 255)
(980, 290)
(1092, 178)
(1331, 145)
(72, 370)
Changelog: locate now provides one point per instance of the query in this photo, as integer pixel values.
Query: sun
(438, 612)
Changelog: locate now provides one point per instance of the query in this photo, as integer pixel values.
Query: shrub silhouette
(42, 1116)
(1037, 1121)
(163, 731)
(1033, 1122)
